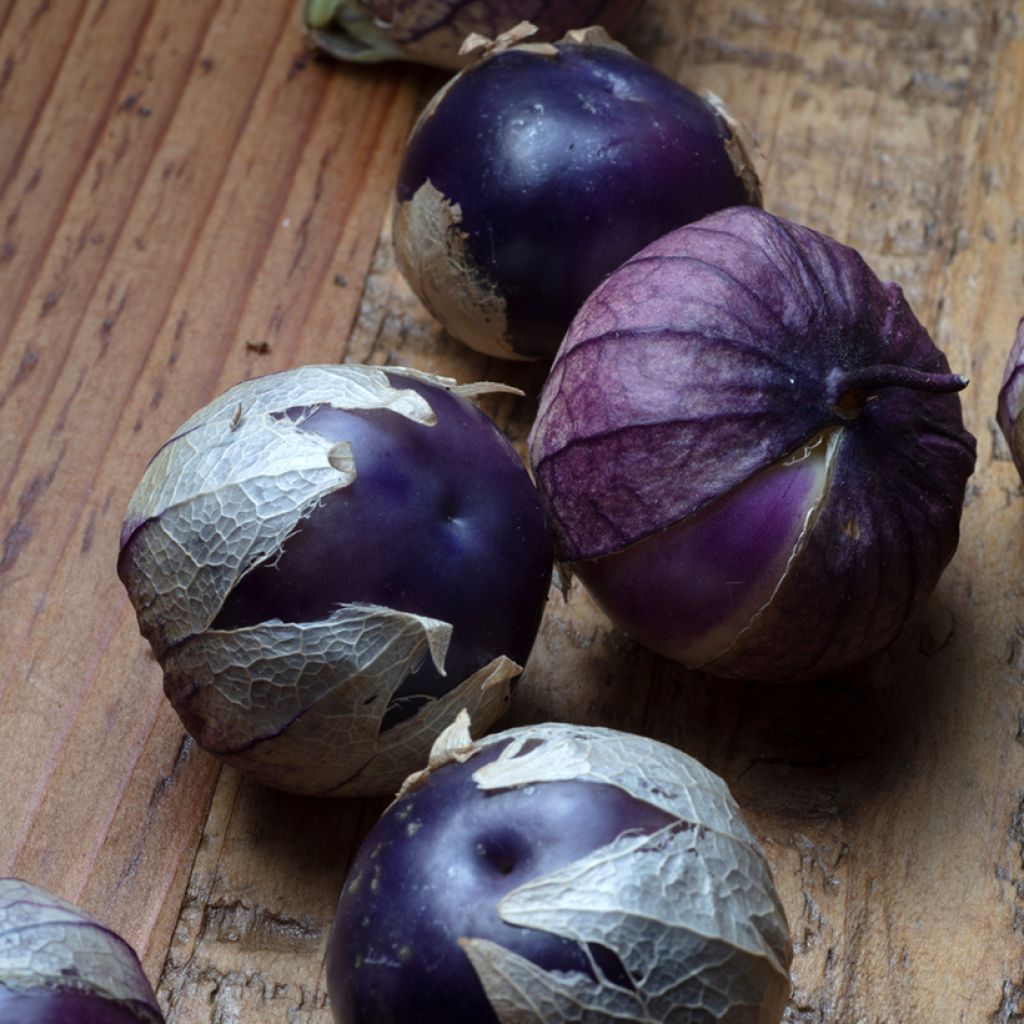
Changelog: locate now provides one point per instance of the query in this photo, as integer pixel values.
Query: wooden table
(187, 199)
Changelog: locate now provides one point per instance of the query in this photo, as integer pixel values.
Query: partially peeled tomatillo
(538, 170)
(329, 563)
(752, 453)
(554, 874)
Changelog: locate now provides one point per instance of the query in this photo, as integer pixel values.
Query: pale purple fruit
(553, 868)
(1011, 400)
(432, 31)
(59, 965)
(751, 451)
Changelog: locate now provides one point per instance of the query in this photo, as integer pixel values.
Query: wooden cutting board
(187, 199)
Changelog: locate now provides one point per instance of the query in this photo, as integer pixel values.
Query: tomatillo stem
(852, 388)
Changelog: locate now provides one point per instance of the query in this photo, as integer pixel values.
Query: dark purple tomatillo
(432, 873)
(432, 31)
(559, 866)
(751, 450)
(329, 564)
(537, 171)
(60, 966)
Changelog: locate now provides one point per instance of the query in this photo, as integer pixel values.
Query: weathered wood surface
(185, 201)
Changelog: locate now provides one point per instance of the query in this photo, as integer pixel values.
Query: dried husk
(297, 705)
(430, 248)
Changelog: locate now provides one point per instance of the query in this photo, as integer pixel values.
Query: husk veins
(46, 942)
(690, 911)
(297, 705)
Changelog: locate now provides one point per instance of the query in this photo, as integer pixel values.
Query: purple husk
(1011, 397)
(717, 352)
(727, 548)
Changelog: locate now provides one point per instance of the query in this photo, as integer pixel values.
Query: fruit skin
(540, 169)
(730, 349)
(425, 894)
(329, 563)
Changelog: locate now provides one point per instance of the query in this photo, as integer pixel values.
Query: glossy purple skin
(720, 350)
(441, 880)
(680, 583)
(1011, 398)
(563, 167)
(441, 521)
(67, 1006)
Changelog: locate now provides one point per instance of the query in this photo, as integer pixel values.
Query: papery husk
(297, 705)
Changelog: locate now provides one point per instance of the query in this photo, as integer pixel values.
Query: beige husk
(739, 146)
(431, 251)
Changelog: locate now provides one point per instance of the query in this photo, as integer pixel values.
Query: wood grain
(187, 199)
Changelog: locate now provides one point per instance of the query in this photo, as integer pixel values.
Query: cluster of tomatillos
(740, 416)
(342, 568)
